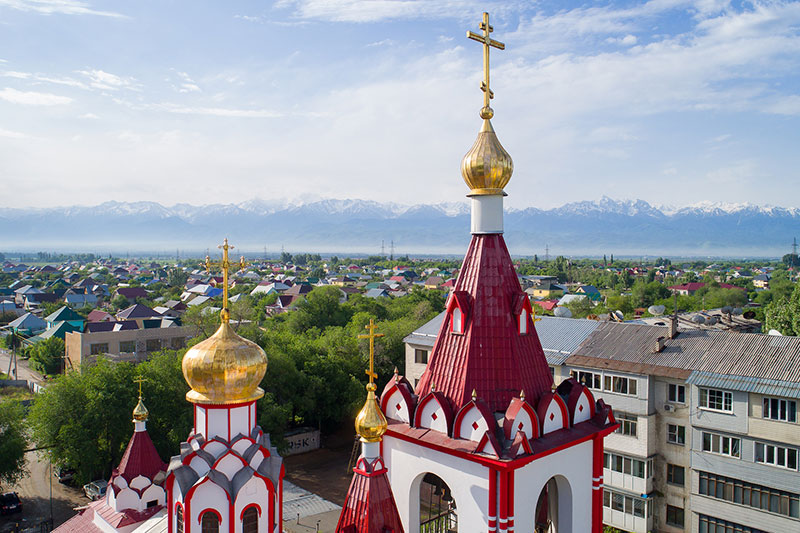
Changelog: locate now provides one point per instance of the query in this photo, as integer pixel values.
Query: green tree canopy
(12, 441)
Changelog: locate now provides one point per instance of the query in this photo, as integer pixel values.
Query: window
(457, 323)
(250, 520)
(152, 503)
(209, 523)
(627, 424)
(749, 494)
(179, 518)
(620, 385)
(153, 345)
(523, 322)
(721, 444)
(709, 524)
(674, 516)
(99, 348)
(676, 434)
(625, 465)
(127, 346)
(626, 504)
(676, 393)
(675, 475)
(590, 379)
(176, 343)
(779, 409)
(718, 400)
(421, 356)
(776, 455)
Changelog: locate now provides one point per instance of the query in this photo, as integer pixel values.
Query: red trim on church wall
(510, 501)
(492, 500)
(503, 514)
(597, 486)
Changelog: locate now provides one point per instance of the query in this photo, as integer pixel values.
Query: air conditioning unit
(669, 407)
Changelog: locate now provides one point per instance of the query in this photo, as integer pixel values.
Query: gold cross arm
(371, 336)
(488, 43)
(225, 265)
(140, 380)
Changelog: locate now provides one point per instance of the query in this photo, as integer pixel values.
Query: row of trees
(315, 377)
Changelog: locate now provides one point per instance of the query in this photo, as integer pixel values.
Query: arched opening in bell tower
(437, 507)
(554, 507)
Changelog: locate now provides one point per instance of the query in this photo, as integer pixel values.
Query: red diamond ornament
(474, 425)
(580, 407)
(520, 426)
(433, 415)
(552, 416)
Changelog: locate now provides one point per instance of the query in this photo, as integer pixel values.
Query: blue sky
(674, 102)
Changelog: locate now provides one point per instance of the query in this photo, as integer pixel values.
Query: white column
(370, 450)
(487, 214)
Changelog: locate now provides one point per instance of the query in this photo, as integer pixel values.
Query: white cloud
(219, 111)
(248, 18)
(90, 116)
(42, 78)
(32, 98)
(9, 134)
(363, 11)
(384, 42)
(63, 7)
(100, 79)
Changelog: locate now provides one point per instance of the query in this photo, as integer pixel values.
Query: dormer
(458, 312)
(398, 401)
(433, 412)
(522, 311)
(473, 420)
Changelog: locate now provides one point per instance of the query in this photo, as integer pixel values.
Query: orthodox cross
(140, 380)
(225, 265)
(371, 336)
(488, 42)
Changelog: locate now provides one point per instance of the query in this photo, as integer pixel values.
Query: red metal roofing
(140, 458)
(80, 523)
(369, 506)
(491, 356)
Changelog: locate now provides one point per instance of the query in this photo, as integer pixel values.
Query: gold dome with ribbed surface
(140, 412)
(371, 424)
(224, 369)
(487, 167)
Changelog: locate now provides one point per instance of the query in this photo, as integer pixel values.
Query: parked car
(9, 503)
(96, 489)
(64, 474)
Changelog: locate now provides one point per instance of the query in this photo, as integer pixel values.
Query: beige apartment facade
(124, 345)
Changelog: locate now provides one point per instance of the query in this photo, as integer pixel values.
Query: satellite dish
(737, 310)
(592, 317)
(698, 319)
(775, 333)
(727, 309)
(712, 320)
(656, 310)
(562, 312)
(749, 315)
(619, 314)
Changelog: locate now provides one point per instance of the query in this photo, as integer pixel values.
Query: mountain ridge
(350, 225)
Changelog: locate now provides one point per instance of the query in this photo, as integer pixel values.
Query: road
(22, 367)
(34, 491)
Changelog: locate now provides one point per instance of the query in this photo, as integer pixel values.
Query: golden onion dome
(370, 422)
(140, 412)
(487, 167)
(224, 369)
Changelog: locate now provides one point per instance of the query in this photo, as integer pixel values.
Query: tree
(286, 257)
(12, 442)
(176, 277)
(47, 355)
(784, 314)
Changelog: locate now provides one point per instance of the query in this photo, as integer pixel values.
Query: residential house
(28, 325)
(545, 290)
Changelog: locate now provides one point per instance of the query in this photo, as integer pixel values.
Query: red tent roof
(140, 458)
(491, 357)
(370, 506)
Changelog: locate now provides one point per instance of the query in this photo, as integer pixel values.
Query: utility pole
(391, 251)
(546, 253)
(383, 249)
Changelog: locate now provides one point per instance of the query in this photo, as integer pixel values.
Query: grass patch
(15, 393)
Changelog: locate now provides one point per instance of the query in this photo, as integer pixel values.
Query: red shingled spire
(140, 458)
(490, 356)
(370, 506)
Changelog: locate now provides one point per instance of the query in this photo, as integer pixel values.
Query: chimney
(660, 343)
(673, 327)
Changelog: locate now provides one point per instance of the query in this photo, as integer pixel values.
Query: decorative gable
(433, 412)
(397, 400)
(520, 417)
(522, 311)
(458, 309)
(552, 412)
(473, 420)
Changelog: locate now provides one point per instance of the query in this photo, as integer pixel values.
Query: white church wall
(229, 465)
(240, 421)
(200, 420)
(392, 411)
(140, 482)
(468, 482)
(217, 424)
(209, 496)
(153, 492)
(126, 499)
(240, 446)
(575, 465)
(467, 431)
(433, 417)
(255, 491)
(199, 465)
(215, 448)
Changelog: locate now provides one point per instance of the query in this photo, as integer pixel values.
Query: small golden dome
(487, 167)
(140, 412)
(370, 422)
(224, 369)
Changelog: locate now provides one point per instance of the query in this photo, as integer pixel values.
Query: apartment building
(709, 436)
(124, 341)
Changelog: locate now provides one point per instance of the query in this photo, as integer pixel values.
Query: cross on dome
(488, 42)
(225, 265)
(371, 336)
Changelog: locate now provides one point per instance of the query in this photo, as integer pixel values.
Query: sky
(670, 101)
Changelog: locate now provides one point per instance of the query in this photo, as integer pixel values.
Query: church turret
(228, 476)
(486, 441)
(370, 506)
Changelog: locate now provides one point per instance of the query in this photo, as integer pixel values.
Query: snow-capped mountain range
(622, 227)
